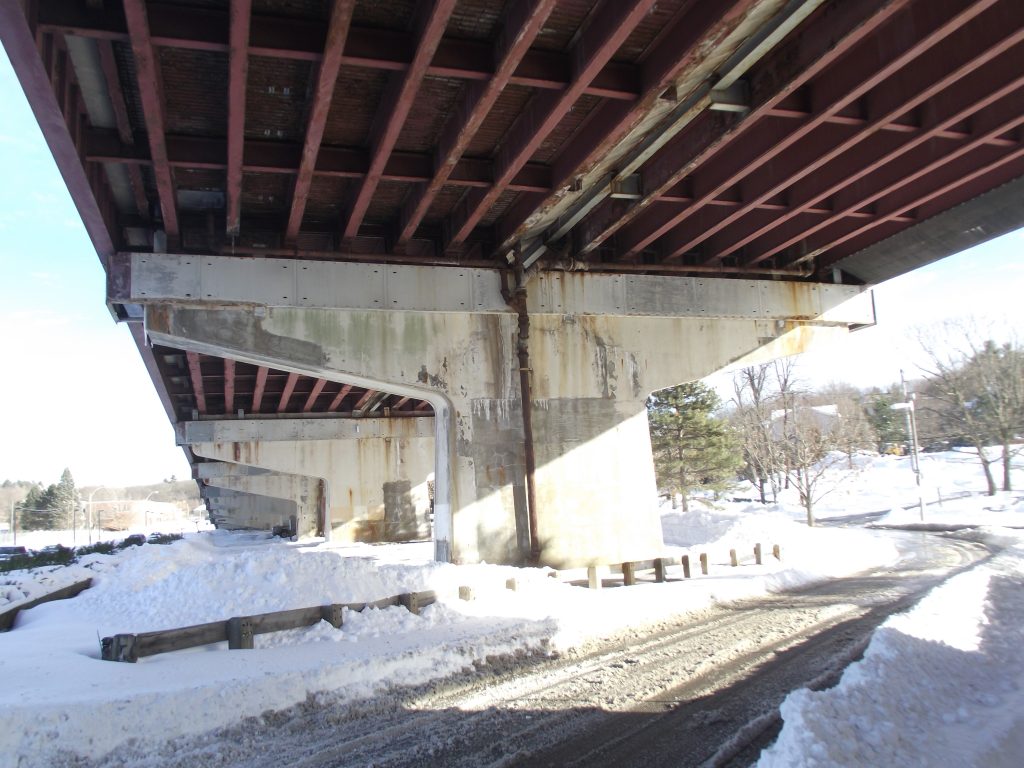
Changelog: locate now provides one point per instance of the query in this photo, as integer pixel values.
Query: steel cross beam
(238, 72)
(826, 41)
(432, 18)
(603, 34)
(151, 92)
(887, 101)
(229, 385)
(318, 387)
(524, 19)
(286, 393)
(203, 29)
(943, 113)
(323, 94)
(336, 402)
(889, 51)
(1012, 118)
(196, 374)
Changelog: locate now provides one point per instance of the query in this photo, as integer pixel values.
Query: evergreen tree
(889, 425)
(65, 502)
(692, 448)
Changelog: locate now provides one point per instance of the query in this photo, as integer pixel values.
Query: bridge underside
(509, 220)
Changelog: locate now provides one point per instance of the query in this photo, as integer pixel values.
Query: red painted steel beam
(326, 79)
(398, 404)
(806, 55)
(261, 384)
(151, 93)
(19, 42)
(684, 46)
(286, 393)
(238, 73)
(951, 58)
(195, 372)
(1008, 117)
(177, 26)
(103, 146)
(524, 19)
(595, 44)
(888, 50)
(432, 18)
(364, 399)
(318, 387)
(966, 91)
(336, 402)
(229, 386)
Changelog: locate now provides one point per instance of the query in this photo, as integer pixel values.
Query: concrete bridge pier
(306, 492)
(597, 346)
(373, 472)
(238, 509)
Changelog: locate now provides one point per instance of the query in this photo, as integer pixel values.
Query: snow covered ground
(954, 655)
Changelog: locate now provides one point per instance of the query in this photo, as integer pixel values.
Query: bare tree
(810, 441)
(752, 415)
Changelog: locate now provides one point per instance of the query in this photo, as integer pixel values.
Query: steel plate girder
(274, 430)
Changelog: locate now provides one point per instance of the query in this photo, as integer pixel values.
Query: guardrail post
(240, 636)
(659, 569)
(704, 563)
(686, 566)
(465, 593)
(512, 584)
(757, 554)
(733, 559)
(333, 614)
(629, 574)
(119, 648)
(777, 552)
(593, 577)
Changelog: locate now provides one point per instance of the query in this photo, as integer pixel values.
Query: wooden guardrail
(8, 615)
(239, 631)
(659, 565)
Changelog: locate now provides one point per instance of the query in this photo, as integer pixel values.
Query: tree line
(777, 434)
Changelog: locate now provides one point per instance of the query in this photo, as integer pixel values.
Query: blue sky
(74, 392)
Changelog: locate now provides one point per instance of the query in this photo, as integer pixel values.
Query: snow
(949, 668)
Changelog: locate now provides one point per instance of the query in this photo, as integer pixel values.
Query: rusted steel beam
(150, 91)
(336, 402)
(524, 19)
(899, 191)
(364, 399)
(399, 403)
(177, 26)
(257, 393)
(595, 44)
(103, 146)
(318, 387)
(286, 393)
(682, 47)
(229, 386)
(195, 371)
(238, 73)
(326, 79)
(951, 58)
(19, 42)
(432, 18)
(806, 55)
(966, 91)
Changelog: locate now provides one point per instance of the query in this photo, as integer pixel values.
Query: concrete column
(599, 344)
(236, 509)
(375, 471)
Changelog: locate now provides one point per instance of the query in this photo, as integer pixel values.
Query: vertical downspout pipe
(517, 300)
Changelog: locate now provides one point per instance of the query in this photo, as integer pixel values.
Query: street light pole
(89, 504)
(915, 462)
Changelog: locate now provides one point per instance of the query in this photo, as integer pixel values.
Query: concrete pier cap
(598, 345)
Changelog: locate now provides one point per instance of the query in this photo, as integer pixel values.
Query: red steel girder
(151, 94)
(286, 393)
(827, 38)
(108, 65)
(238, 72)
(524, 19)
(364, 399)
(258, 389)
(345, 389)
(326, 80)
(919, 82)
(684, 45)
(944, 110)
(19, 42)
(318, 387)
(195, 371)
(229, 386)
(431, 19)
(1008, 117)
(178, 26)
(595, 44)
(888, 50)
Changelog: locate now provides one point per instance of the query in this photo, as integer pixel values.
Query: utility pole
(915, 463)
(14, 524)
